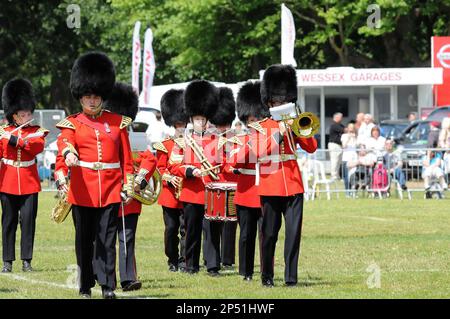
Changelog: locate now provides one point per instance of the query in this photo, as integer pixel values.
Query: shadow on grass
(8, 290)
(149, 296)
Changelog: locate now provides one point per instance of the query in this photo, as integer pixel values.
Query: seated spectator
(393, 163)
(432, 169)
(360, 170)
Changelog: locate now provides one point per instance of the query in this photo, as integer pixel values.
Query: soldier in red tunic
(124, 101)
(220, 237)
(172, 111)
(248, 203)
(94, 147)
(278, 175)
(19, 179)
(191, 161)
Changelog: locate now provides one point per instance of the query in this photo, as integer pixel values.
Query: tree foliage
(220, 40)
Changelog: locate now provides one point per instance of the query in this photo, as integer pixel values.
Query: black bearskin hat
(123, 100)
(92, 73)
(17, 95)
(226, 112)
(201, 98)
(172, 107)
(249, 102)
(279, 84)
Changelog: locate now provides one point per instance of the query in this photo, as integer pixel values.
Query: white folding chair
(319, 179)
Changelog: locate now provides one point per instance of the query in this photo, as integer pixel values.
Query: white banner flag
(149, 67)
(136, 57)
(287, 36)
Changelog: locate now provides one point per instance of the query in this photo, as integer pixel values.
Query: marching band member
(220, 237)
(193, 163)
(248, 203)
(278, 176)
(20, 142)
(124, 101)
(172, 110)
(94, 146)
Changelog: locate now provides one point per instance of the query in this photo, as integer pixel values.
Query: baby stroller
(380, 182)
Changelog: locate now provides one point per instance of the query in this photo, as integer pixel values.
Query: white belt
(18, 163)
(278, 158)
(246, 171)
(97, 166)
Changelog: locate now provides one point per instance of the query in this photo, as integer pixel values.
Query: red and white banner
(136, 57)
(149, 68)
(287, 36)
(440, 58)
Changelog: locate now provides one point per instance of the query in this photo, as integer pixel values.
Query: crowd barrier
(354, 181)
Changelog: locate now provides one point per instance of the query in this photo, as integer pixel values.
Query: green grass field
(345, 244)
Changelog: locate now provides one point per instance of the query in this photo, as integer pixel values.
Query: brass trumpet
(305, 124)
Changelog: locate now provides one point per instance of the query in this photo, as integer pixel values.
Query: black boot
(108, 293)
(26, 266)
(7, 266)
(85, 293)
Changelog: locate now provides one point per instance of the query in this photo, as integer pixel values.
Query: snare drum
(219, 201)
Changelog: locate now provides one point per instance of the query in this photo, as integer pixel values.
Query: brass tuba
(149, 195)
(61, 209)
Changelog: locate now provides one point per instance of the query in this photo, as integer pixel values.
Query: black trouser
(95, 244)
(127, 262)
(11, 206)
(174, 224)
(292, 209)
(212, 231)
(228, 243)
(248, 218)
(193, 220)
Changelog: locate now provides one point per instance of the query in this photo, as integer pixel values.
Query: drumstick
(210, 169)
(20, 126)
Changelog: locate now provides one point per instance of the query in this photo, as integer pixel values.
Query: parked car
(392, 129)
(413, 144)
(439, 114)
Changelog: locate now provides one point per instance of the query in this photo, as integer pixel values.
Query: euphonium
(304, 124)
(61, 209)
(149, 195)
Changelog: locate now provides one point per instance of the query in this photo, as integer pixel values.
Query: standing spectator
(365, 130)
(359, 120)
(375, 143)
(412, 117)
(334, 145)
(394, 164)
(444, 142)
(444, 135)
(348, 140)
(433, 136)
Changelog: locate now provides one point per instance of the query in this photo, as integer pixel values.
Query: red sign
(440, 58)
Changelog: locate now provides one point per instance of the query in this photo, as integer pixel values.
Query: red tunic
(182, 161)
(168, 197)
(103, 139)
(18, 180)
(277, 178)
(247, 192)
(145, 163)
